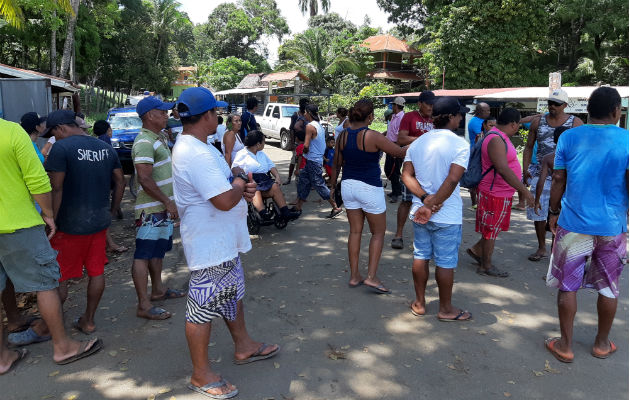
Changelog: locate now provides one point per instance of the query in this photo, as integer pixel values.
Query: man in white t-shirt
(434, 164)
(211, 203)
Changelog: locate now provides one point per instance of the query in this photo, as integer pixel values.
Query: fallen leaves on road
(538, 373)
(54, 373)
(276, 365)
(335, 354)
(549, 369)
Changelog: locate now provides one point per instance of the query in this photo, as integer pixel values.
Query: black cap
(56, 118)
(313, 110)
(448, 106)
(30, 120)
(427, 97)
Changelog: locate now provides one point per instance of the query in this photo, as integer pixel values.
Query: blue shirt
(39, 153)
(330, 155)
(474, 128)
(596, 198)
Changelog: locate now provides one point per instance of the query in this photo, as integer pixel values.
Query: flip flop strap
(213, 385)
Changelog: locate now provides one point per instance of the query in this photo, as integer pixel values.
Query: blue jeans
(311, 175)
(437, 241)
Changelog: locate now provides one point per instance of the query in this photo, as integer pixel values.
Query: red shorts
(493, 215)
(78, 251)
(328, 169)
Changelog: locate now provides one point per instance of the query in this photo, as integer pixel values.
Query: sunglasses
(554, 103)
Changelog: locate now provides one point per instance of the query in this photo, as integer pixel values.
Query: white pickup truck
(275, 121)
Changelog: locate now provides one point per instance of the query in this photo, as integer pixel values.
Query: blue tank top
(358, 164)
(318, 144)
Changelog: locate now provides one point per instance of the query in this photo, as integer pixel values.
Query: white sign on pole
(575, 106)
(555, 81)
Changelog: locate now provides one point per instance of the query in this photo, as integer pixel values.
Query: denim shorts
(437, 241)
(311, 176)
(28, 260)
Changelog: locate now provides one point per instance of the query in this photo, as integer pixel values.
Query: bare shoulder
(577, 122)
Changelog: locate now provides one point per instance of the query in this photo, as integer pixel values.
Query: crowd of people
(56, 209)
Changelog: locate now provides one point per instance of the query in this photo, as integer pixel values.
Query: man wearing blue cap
(155, 209)
(211, 199)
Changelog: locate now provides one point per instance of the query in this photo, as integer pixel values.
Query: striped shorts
(214, 292)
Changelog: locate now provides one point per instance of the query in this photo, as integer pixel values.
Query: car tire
(285, 140)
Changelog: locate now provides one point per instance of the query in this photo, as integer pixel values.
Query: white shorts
(358, 195)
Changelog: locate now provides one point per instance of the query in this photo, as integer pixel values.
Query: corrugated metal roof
(25, 73)
(454, 92)
(388, 43)
(283, 76)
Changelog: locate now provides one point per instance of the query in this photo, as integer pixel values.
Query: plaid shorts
(586, 261)
(493, 215)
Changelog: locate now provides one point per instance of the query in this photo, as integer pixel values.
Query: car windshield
(125, 121)
(288, 111)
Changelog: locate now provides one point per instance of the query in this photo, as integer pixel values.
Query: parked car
(275, 121)
(126, 125)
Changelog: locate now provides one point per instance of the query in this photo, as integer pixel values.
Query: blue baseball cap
(152, 103)
(198, 100)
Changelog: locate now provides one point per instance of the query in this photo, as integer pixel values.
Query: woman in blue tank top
(357, 156)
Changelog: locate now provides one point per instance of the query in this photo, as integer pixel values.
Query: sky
(199, 10)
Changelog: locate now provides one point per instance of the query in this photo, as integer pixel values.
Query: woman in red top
(496, 189)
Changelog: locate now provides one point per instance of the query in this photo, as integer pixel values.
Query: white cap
(559, 96)
(399, 100)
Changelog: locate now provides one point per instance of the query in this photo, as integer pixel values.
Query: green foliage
(226, 73)
(516, 42)
(239, 30)
(376, 89)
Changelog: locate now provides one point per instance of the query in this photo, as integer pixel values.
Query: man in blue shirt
(482, 111)
(247, 118)
(591, 179)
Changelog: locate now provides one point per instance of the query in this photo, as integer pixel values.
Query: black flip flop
(458, 317)
(22, 353)
(377, 289)
(257, 356)
(334, 213)
(493, 271)
(98, 345)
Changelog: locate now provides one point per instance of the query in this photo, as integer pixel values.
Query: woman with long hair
(357, 155)
(232, 142)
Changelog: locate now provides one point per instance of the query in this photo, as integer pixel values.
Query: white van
(275, 121)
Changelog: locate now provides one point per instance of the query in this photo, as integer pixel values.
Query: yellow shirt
(21, 174)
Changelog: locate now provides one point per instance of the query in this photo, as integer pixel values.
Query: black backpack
(474, 174)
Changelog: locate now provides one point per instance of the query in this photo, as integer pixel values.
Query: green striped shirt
(151, 148)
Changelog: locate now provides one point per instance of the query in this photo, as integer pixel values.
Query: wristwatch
(243, 176)
(424, 196)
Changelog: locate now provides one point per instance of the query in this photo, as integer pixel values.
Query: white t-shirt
(209, 236)
(52, 140)
(257, 163)
(218, 136)
(432, 155)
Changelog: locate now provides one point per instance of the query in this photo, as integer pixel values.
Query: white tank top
(238, 145)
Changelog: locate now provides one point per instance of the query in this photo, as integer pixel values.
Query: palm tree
(313, 6)
(310, 53)
(11, 13)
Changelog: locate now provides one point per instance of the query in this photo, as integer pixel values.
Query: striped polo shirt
(151, 148)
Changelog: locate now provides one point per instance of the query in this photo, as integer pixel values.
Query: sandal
(380, 289)
(550, 345)
(334, 213)
(536, 257)
(458, 317)
(156, 313)
(493, 271)
(604, 355)
(170, 294)
(257, 356)
(22, 353)
(89, 348)
(26, 337)
(212, 385)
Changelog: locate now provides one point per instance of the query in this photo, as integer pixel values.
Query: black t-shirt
(300, 132)
(88, 164)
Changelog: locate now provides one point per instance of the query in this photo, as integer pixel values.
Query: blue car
(126, 125)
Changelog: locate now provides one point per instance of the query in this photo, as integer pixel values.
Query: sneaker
(397, 243)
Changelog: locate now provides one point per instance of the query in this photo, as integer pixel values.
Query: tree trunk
(69, 43)
(53, 49)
